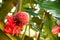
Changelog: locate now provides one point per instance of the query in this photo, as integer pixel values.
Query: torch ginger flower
(15, 23)
(56, 29)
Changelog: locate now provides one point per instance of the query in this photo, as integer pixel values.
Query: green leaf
(12, 37)
(57, 18)
(28, 38)
(51, 5)
(32, 13)
(41, 12)
(34, 27)
(37, 21)
(57, 12)
(29, 10)
(3, 36)
(5, 8)
(18, 37)
(49, 24)
(2, 26)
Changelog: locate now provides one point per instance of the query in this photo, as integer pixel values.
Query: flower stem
(24, 33)
(19, 5)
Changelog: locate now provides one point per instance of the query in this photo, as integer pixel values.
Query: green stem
(41, 26)
(24, 33)
(19, 5)
(29, 31)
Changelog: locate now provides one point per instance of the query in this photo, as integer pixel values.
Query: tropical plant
(29, 20)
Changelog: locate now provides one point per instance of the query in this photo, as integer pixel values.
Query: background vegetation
(44, 15)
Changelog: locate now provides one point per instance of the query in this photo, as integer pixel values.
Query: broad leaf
(52, 5)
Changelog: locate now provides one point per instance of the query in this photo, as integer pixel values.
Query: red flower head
(16, 22)
(23, 17)
(56, 30)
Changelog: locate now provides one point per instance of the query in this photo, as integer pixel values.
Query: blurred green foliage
(37, 18)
